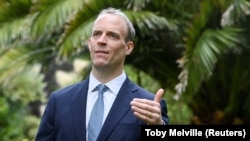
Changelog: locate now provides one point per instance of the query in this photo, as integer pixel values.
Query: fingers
(157, 98)
(148, 110)
(149, 114)
(159, 95)
(148, 117)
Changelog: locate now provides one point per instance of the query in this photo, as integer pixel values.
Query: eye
(113, 35)
(95, 34)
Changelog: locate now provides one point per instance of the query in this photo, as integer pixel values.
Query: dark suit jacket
(64, 117)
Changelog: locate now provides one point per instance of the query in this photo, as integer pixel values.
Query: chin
(100, 64)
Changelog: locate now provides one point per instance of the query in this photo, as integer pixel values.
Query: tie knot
(102, 88)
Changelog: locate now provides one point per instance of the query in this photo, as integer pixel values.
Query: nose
(102, 39)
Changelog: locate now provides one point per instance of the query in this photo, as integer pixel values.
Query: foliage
(197, 51)
(18, 93)
(213, 43)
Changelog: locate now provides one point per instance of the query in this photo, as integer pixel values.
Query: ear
(89, 44)
(129, 47)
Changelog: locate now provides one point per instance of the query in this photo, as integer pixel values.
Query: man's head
(111, 40)
(118, 12)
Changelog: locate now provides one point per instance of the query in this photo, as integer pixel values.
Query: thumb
(159, 95)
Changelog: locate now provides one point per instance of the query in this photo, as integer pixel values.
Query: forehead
(110, 22)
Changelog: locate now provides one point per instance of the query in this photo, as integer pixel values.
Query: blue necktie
(96, 117)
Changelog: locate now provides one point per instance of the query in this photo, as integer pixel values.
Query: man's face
(107, 44)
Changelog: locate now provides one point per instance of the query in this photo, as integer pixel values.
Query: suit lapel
(78, 109)
(119, 108)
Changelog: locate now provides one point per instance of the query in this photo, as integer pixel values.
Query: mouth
(101, 52)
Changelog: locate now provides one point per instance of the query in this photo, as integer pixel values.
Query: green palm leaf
(203, 48)
(15, 30)
(136, 5)
(148, 22)
(74, 38)
(14, 21)
(52, 15)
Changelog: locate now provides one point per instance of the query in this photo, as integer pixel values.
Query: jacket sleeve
(46, 130)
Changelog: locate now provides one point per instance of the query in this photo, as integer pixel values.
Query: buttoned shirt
(108, 96)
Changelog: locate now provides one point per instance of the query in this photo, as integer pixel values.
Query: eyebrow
(109, 31)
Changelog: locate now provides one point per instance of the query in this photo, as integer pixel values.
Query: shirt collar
(113, 85)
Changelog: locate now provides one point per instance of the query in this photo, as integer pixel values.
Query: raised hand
(148, 110)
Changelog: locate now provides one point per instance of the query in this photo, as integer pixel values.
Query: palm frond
(75, 35)
(14, 9)
(235, 13)
(199, 66)
(16, 57)
(54, 15)
(136, 5)
(14, 21)
(205, 44)
(17, 29)
(148, 22)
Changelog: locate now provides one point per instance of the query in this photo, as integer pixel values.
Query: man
(126, 105)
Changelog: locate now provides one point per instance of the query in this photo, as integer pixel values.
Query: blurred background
(197, 50)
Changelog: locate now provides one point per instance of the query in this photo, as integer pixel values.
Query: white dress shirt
(108, 96)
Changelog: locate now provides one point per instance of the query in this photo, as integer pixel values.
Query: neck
(106, 75)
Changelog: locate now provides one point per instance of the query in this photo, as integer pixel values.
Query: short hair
(118, 12)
